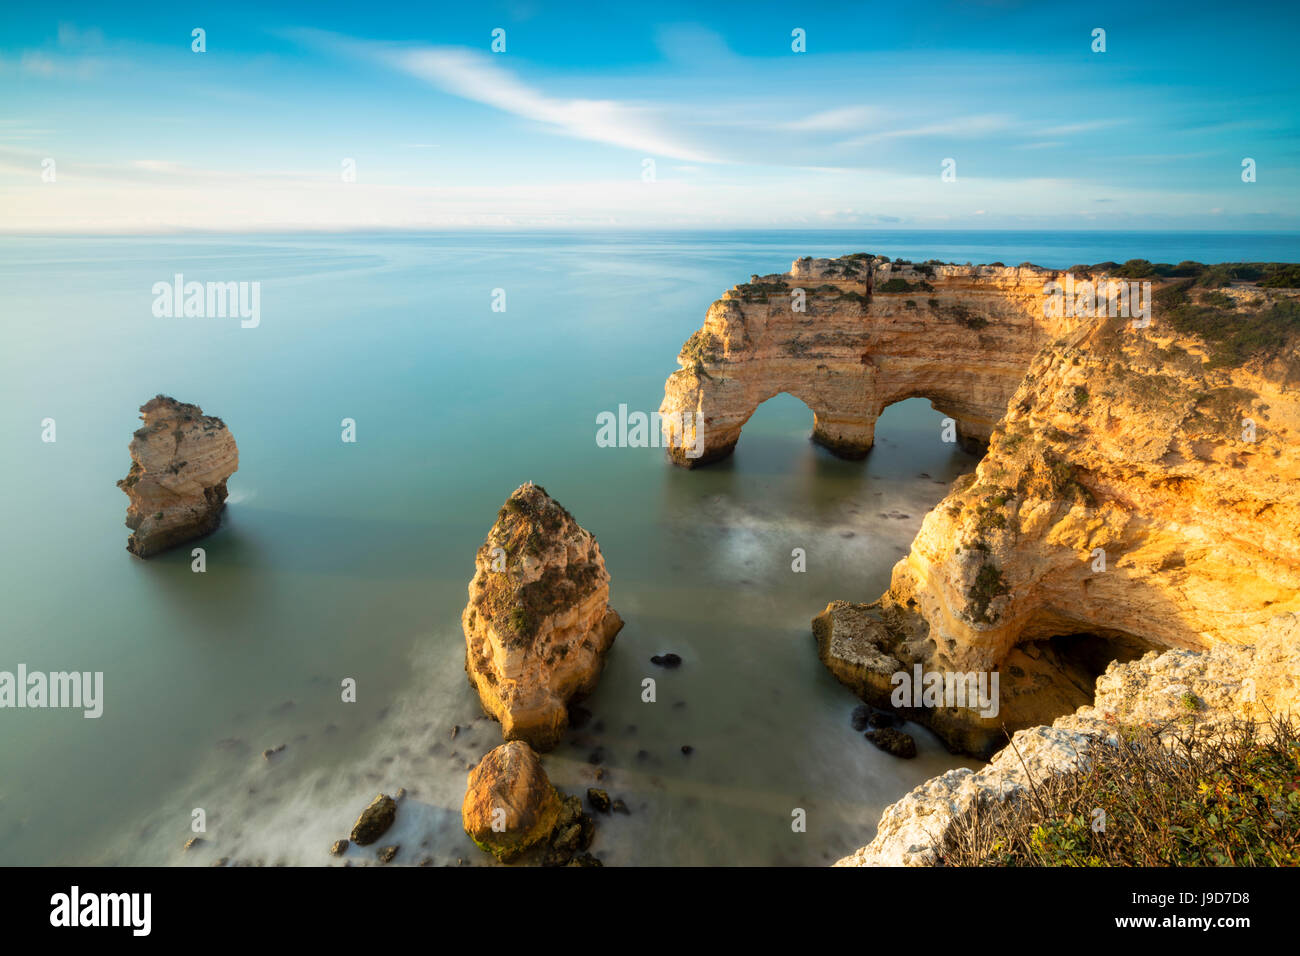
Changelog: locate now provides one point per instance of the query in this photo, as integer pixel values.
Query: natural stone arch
(828, 333)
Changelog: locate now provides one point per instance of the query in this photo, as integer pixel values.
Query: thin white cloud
(473, 76)
(1088, 126)
(838, 120)
(962, 127)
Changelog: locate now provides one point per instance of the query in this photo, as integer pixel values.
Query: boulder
(374, 820)
(893, 741)
(510, 804)
(538, 622)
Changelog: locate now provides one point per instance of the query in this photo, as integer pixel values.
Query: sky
(316, 116)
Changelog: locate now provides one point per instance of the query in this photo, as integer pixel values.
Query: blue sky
(147, 135)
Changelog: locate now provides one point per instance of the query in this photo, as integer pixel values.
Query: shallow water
(352, 560)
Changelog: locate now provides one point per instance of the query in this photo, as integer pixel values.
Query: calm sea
(341, 560)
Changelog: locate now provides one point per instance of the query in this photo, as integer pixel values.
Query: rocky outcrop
(538, 622)
(180, 461)
(1165, 692)
(374, 821)
(512, 811)
(1143, 489)
(851, 336)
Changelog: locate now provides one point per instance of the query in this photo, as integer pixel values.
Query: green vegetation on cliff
(1190, 799)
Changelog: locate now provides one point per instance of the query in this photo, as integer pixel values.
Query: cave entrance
(1091, 654)
(1062, 671)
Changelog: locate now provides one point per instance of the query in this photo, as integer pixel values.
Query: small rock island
(180, 461)
(538, 622)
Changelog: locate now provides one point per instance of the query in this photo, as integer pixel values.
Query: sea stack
(180, 460)
(538, 622)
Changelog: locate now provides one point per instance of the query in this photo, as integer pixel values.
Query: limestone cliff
(538, 621)
(180, 461)
(1142, 488)
(851, 336)
(1226, 684)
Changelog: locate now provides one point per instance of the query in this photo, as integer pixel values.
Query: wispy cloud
(839, 120)
(473, 76)
(961, 127)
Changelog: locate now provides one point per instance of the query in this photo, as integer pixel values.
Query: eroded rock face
(870, 333)
(538, 621)
(180, 460)
(1223, 685)
(1139, 488)
(510, 804)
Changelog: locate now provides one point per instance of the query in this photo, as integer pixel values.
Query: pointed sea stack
(180, 461)
(538, 622)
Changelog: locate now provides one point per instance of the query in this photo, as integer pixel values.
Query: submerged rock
(893, 741)
(666, 660)
(860, 717)
(387, 854)
(538, 622)
(180, 461)
(374, 820)
(573, 833)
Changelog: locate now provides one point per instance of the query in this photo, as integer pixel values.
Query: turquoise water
(352, 560)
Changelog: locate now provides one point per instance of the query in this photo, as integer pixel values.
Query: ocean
(351, 560)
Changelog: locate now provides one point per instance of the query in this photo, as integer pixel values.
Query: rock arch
(850, 337)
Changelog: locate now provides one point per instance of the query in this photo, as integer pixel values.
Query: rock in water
(510, 788)
(860, 718)
(374, 820)
(538, 622)
(893, 741)
(180, 460)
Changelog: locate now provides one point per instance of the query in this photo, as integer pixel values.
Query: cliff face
(1143, 488)
(1227, 684)
(180, 460)
(850, 337)
(538, 621)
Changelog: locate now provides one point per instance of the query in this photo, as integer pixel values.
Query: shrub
(1238, 336)
(1136, 269)
(1286, 277)
(1193, 799)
